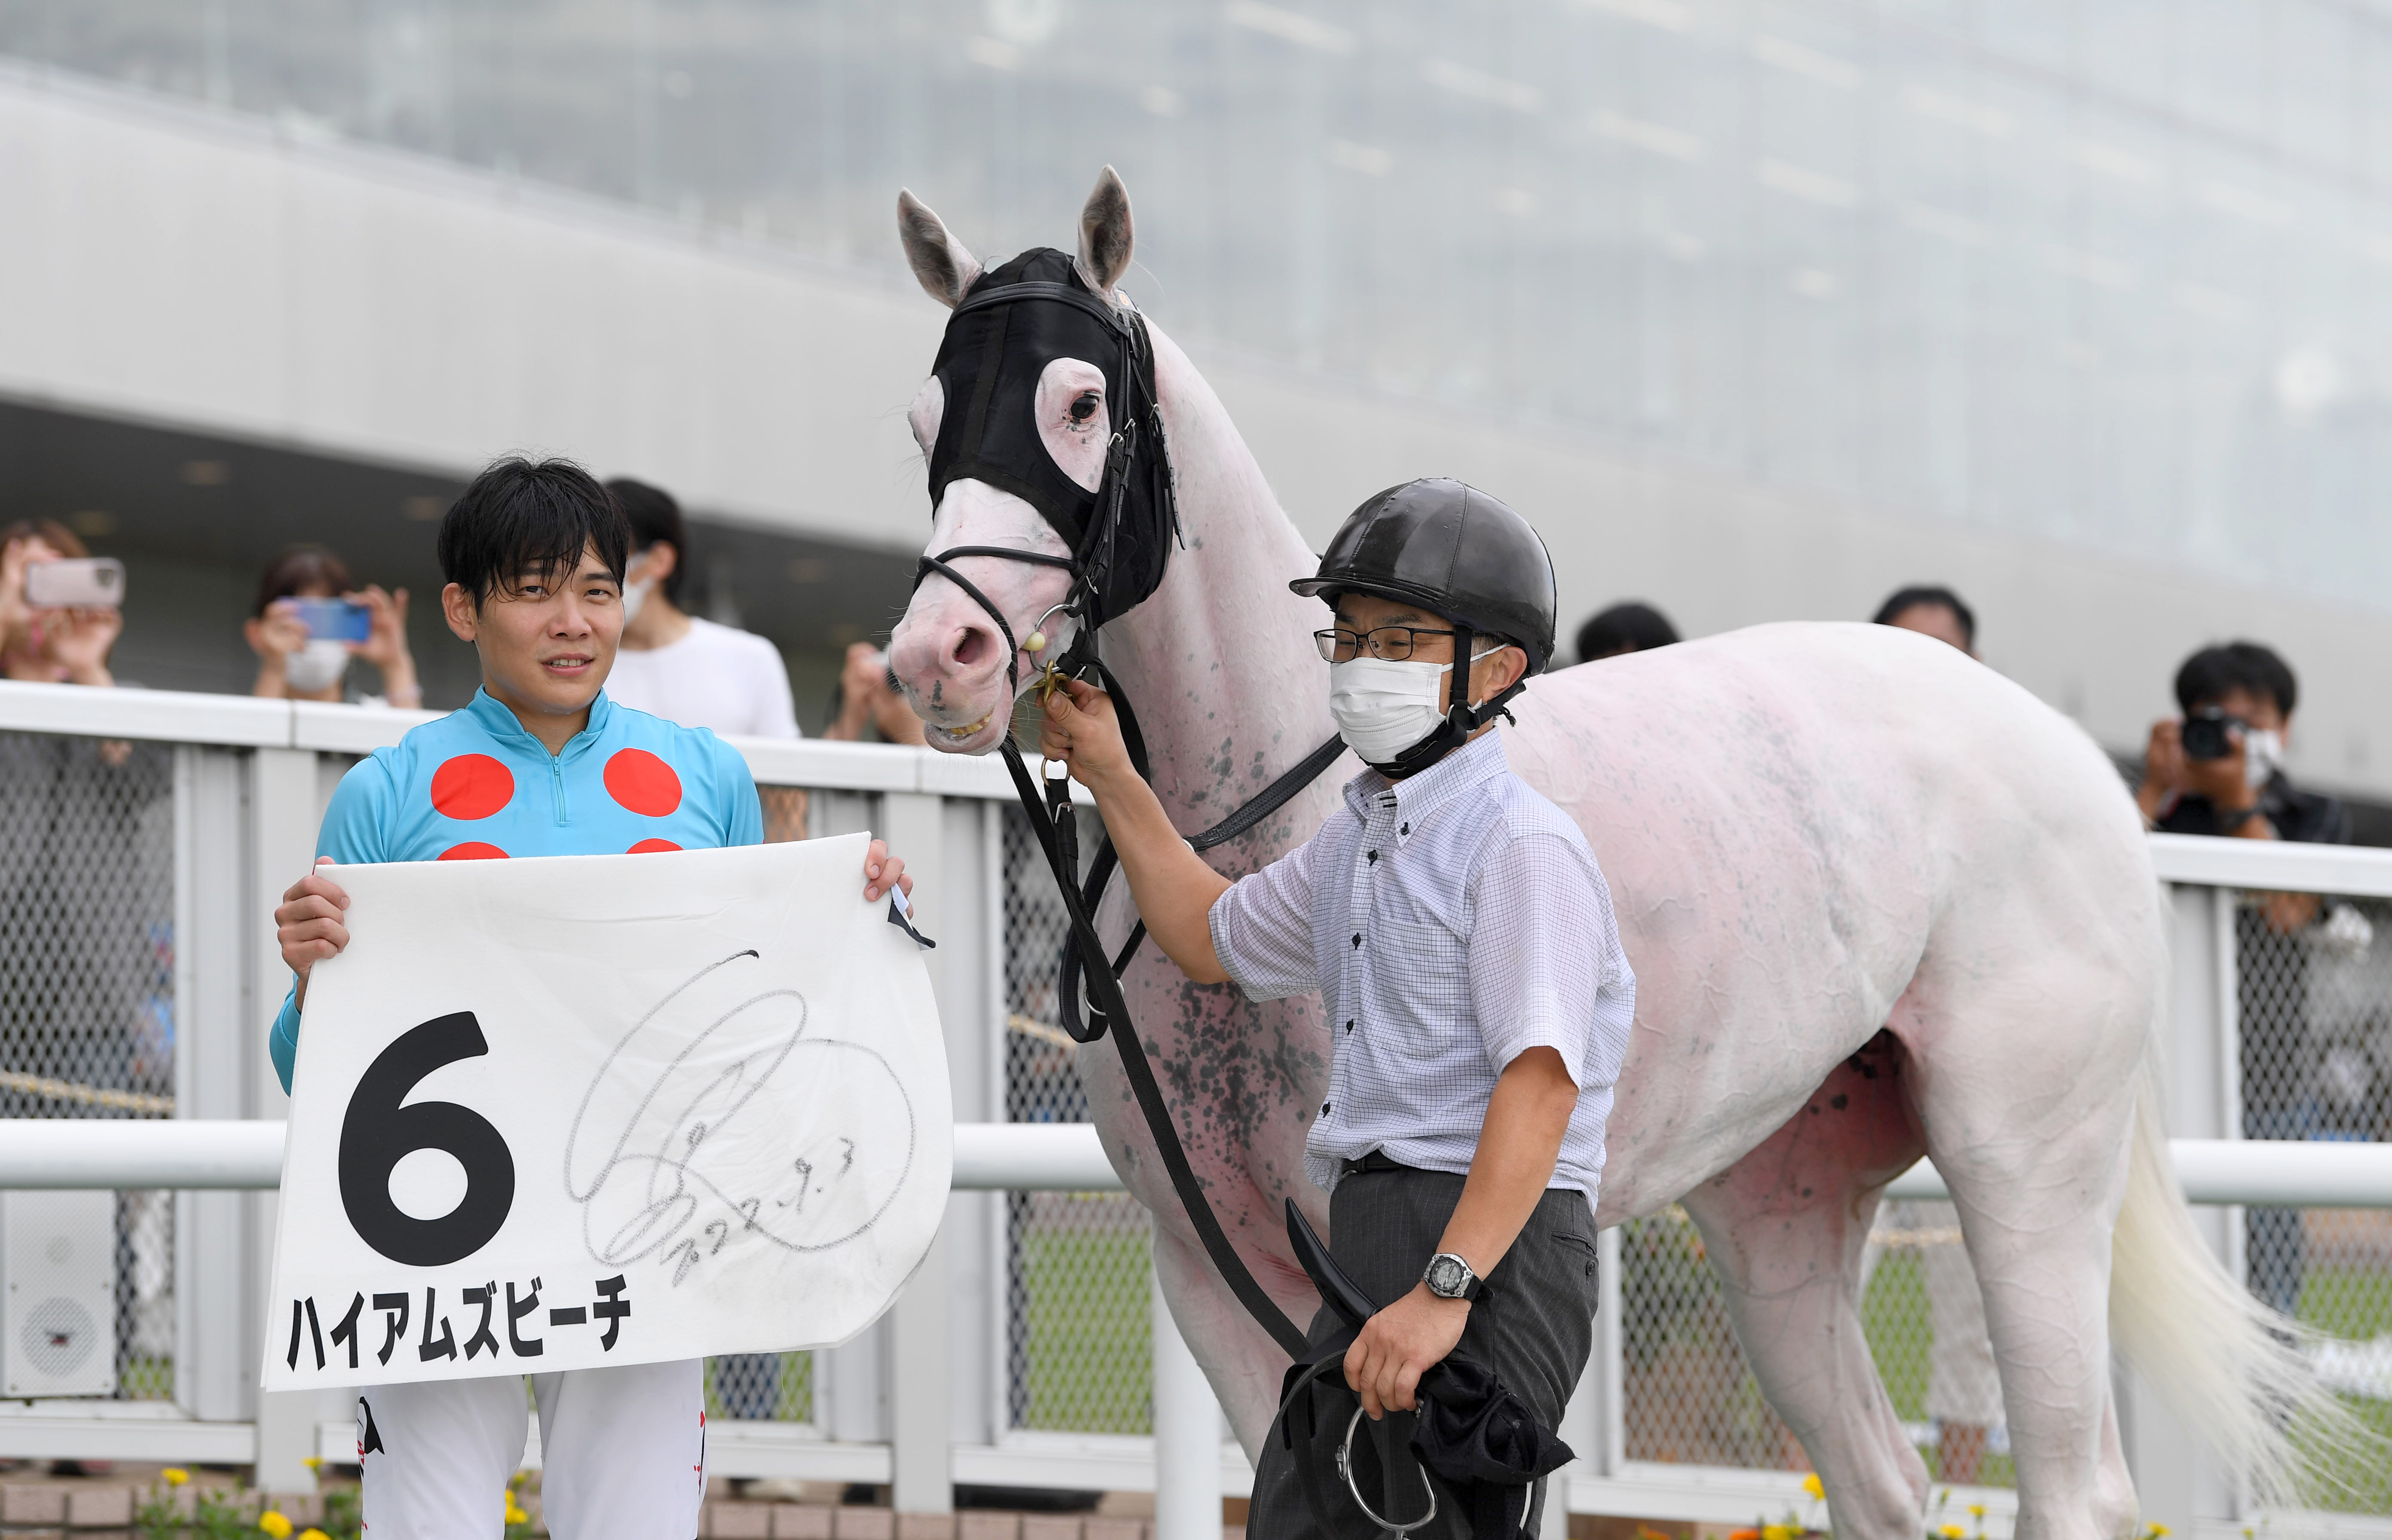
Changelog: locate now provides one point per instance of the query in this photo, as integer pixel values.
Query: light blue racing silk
(475, 786)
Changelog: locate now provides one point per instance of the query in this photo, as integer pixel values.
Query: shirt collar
(502, 723)
(1416, 798)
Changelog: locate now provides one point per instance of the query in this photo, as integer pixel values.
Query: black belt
(1377, 1160)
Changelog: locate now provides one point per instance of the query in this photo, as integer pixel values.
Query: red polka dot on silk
(473, 849)
(471, 787)
(643, 782)
(650, 847)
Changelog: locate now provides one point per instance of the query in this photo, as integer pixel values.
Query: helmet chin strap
(1462, 718)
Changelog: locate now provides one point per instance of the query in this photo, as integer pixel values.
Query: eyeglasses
(1388, 643)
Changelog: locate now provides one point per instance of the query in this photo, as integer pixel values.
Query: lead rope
(1058, 832)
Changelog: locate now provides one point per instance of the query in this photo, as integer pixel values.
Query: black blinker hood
(1014, 321)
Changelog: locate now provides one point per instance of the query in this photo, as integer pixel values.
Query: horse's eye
(1084, 408)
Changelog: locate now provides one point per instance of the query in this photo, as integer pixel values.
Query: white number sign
(552, 1114)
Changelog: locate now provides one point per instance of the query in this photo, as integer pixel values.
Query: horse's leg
(1238, 1357)
(2038, 1182)
(2025, 1056)
(1786, 1227)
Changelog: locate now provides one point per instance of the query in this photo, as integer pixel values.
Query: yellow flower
(2159, 1532)
(1811, 1484)
(314, 1462)
(275, 1524)
(173, 1476)
(1952, 1531)
(1976, 1511)
(515, 1515)
(313, 1534)
(1779, 1531)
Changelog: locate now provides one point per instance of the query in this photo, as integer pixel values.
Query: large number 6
(378, 1132)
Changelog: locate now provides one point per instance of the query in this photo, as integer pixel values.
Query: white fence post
(919, 1389)
(2178, 1484)
(284, 807)
(1187, 1435)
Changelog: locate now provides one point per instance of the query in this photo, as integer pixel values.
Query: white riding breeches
(622, 1454)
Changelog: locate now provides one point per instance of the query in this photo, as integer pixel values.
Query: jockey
(1462, 937)
(541, 764)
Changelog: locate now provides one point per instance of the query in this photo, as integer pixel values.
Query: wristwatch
(1449, 1277)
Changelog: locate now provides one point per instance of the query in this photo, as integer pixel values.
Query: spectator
(868, 699)
(85, 1005)
(1631, 627)
(675, 666)
(2218, 769)
(1964, 1390)
(1931, 610)
(50, 646)
(295, 665)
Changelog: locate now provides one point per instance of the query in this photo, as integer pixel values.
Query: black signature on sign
(717, 1121)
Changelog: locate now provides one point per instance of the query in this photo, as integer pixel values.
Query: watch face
(1446, 1275)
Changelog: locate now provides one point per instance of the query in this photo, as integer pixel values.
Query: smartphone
(78, 582)
(333, 619)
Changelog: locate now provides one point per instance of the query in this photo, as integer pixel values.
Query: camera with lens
(2211, 734)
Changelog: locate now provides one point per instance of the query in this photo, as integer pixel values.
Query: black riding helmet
(1452, 549)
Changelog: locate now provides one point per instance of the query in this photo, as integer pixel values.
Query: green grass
(1895, 1319)
(2354, 1302)
(1090, 1365)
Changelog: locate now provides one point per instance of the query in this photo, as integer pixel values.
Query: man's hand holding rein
(1172, 887)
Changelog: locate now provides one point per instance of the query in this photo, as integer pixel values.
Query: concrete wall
(189, 270)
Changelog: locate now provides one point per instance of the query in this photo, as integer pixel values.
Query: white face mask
(1383, 708)
(635, 595)
(316, 665)
(2262, 752)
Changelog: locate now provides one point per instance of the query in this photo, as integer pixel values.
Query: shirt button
(1349, 1026)
(1405, 830)
(1375, 858)
(1358, 938)
(1324, 1109)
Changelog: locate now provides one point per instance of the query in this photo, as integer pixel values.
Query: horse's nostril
(970, 644)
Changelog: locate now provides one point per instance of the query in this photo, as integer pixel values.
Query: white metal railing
(246, 1154)
(917, 1406)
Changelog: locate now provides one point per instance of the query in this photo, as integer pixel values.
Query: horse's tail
(2231, 1369)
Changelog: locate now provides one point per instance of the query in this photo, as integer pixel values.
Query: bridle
(1119, 553)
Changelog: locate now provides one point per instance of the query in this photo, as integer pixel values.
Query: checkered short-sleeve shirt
(1451, 921)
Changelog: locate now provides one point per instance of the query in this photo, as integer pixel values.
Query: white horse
(1814, 833)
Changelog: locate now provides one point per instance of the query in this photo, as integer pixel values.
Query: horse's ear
(945, 269)
(1105, 236)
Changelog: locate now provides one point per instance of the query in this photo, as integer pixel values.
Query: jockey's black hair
(1903, 598)
(654, 516)
(524, 517)
(2210, 673)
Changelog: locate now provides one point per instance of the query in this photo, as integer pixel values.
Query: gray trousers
(1534, 1327)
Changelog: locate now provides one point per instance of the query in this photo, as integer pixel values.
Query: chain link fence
(87, 1030)
(2313, 1004)
(1078, 1332)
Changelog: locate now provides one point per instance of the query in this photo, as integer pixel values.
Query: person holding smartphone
(311, 619)
(61, 637)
